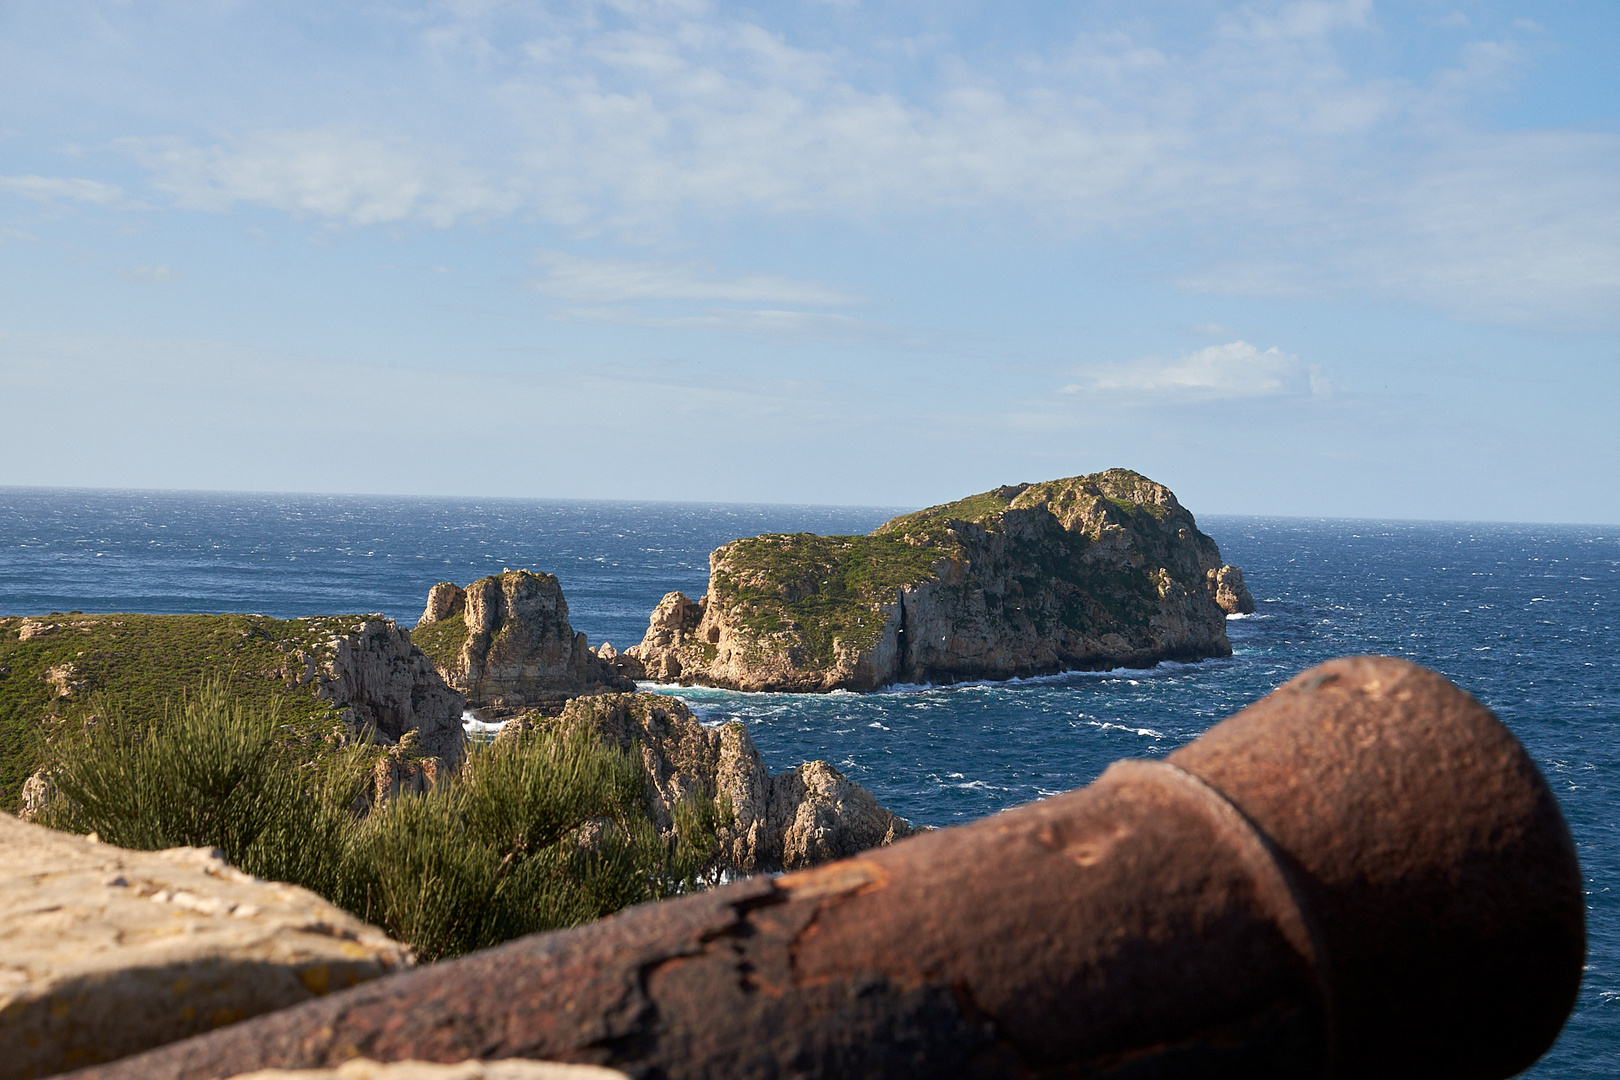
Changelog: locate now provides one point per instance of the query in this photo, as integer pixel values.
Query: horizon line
(895, 508)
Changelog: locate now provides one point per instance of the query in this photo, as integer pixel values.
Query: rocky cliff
(505, 642)
(805, 816)
(1089, 572)
(381, 681)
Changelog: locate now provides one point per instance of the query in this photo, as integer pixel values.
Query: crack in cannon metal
(1361, 875)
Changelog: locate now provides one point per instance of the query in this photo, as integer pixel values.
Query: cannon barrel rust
(1361, 875)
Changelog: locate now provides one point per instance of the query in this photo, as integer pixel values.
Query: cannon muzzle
(1361, 875)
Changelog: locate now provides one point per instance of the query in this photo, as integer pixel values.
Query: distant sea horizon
(6, 489)
(1525, 616)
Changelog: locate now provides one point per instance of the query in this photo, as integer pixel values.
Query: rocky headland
(506, 644)
(333, 678)
(1085, 573)
(799, 818)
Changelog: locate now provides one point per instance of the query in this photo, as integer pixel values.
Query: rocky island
(506, 644)
(1085, 573)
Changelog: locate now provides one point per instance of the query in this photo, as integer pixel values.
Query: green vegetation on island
(442, 640)
(1084, 572)
(821, 588)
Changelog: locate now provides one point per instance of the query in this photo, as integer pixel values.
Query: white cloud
(1231, 371)
(49, 188)
(1520, 229)
(580, 280)
(323, 173)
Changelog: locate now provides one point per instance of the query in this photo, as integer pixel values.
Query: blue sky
(1317, 258)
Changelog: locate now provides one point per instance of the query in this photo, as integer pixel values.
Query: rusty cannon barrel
(1361, 875)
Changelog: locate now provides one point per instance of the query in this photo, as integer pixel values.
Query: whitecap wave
(474, 726)
(693, 694)
(1103, 725)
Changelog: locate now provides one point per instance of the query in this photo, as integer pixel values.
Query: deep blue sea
(1523, 616)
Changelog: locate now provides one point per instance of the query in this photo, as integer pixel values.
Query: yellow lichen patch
(317, 980)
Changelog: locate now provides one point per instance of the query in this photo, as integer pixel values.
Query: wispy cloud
(323, 173)
(580, 280)
(1232, 371)
(1455, 20)
(50, 188)
(1256, 137)
(146, 275)
(801, 325)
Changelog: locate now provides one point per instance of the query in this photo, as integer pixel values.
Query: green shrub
(549, 829)
(546, 830)
(214, 772)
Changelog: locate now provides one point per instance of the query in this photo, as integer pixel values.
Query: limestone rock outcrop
(1231, 594)
(1086, 573)
(383, 682)
(106, 952)
(795, 819)
(822, 815)
(505, 642)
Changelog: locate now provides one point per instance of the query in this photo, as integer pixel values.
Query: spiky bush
(218, 773)
(550, 829)
(546, 830)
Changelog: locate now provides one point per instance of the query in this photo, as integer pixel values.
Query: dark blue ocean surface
(1523, 616)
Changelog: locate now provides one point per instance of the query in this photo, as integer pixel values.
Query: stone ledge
(106, 952)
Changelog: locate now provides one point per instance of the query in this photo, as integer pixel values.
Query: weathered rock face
(1231, 594)
(822, 815)
(106, 952)
(386, 683)
(798, 818)
(443, 600)
(505, 642)
(1091, 572)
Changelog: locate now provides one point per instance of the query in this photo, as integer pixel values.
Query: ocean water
(1522, 616)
